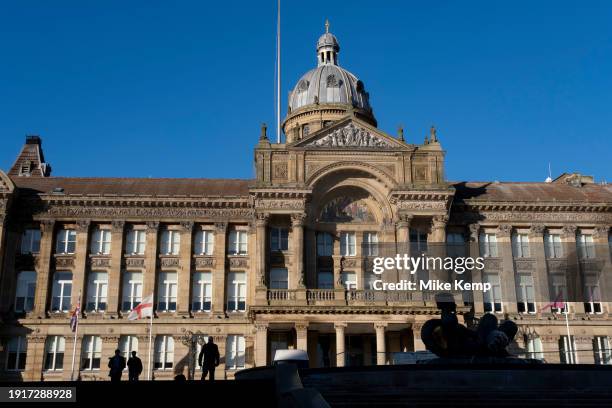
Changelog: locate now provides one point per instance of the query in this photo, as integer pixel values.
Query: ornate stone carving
(283, 204)
(146, 212)
(169, 262)
(524, 265)
(187, 225)
(297, 220)
(350, 136)
(601, 231)
(531, 216)
(46, 226)
(569, 230)
(83, 225)
(537, 229)
(492, 264)
(117, 225)
(100, 262)
(421, 205)
(221, 227)
(152, 226)
(474, 232)
(205, 262)
(64, 262)
(279, 171)
(439, 222)
(261, 219)
(504, 230)
(346, 209)
(238, 262)
(134, 262)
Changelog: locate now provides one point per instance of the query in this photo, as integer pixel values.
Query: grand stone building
(284, 259)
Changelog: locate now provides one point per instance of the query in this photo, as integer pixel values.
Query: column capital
(187, 226)
(340, 325)
(83, 225)
(380, 325)
(601, 231)
(569, 230)
(404, 220)
(537, 229)
(439, 221)
(474, 230)
(261, 219)
(261, 326)
(117, 225)
(221, 227)
(297, 220)
(300, 325)
(152, 226)
(504, 230)
(46, 226)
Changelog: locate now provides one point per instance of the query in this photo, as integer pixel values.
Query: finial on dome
(326, 26)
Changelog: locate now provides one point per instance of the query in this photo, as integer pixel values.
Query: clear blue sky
(179, 89)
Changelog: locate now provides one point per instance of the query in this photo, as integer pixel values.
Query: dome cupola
(325, 94)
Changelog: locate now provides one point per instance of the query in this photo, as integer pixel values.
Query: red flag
(559, 303)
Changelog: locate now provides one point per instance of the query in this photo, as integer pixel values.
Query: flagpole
(278, 74)
(150, 337)
(570, 343)
(76, 331)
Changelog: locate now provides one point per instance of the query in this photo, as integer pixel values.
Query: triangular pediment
(350, 134)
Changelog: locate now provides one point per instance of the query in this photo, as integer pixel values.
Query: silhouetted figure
(116, 364)
(209, 359)
(180, 378)
(134, 367)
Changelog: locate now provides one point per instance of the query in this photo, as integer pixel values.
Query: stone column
(311, 258)
(79, 274)
(507, 279)
(44, 269)
(261, 223)
(218, 292)
(184, 272)
(261, 344)
(477, 275)
(298, 280)
(540, 271)
(340, 352)
(381, 347)
(438, 228)
(114, 276)
(438, 248)
(416, 334)
(572, 274)
(150, 262)
(402, 246)
(301, 331)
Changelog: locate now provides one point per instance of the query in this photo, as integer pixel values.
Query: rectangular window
(101, 242)
(164, 352)
(235, 352)
(347, 244)
(534, 348)
(16, 353)
(236, 292)
(418, 241)
(369, 279)
(558, 292)
(66, 241)
(279, 239)
(488, 245)
(237, 242)
(554, 247)
(279, 278)
(204, 242)
(567, 350)
(97, 289)
(525, 294)
(135, 242)
(127, 344)
(170, 242)
(601, 350)
(325, 244)
(62, 291)
(30, 241)
(349, 280)
(167, 292)
(592, 295)
(520, 245)
(370, 244)
(492, 298)
(54, 353)
(455, 244)
(91, 353)
(201, 292)
(325, 279)
(586, 247)
(132, 290)
(25, 291)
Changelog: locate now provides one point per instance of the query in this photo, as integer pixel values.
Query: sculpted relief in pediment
(350, 136)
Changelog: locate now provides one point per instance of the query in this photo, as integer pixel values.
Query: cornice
(549, 206)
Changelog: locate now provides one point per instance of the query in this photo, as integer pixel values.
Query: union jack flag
(74, 319)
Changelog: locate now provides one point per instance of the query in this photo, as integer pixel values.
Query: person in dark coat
(134, 367)
(116, 364)
(209, 359)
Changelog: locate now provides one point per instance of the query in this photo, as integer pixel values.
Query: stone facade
(347, 179)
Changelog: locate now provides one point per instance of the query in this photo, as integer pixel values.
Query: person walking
(134, 367)
(209, 359)
(116, 364)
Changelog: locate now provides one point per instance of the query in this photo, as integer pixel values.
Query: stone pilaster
(150, 262)
(402, 246)
(184, 271)
(298, 280)
(44, 270)
(507, 279)
(218, 292)
(381, 346)
(340, 351)
(114, 276)
(603, 252)
(416, 334)
(573, 278)
(301, 331)
(540, 271)
(261, 223)
(261, 344)
(79, 274)
(477, 275)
